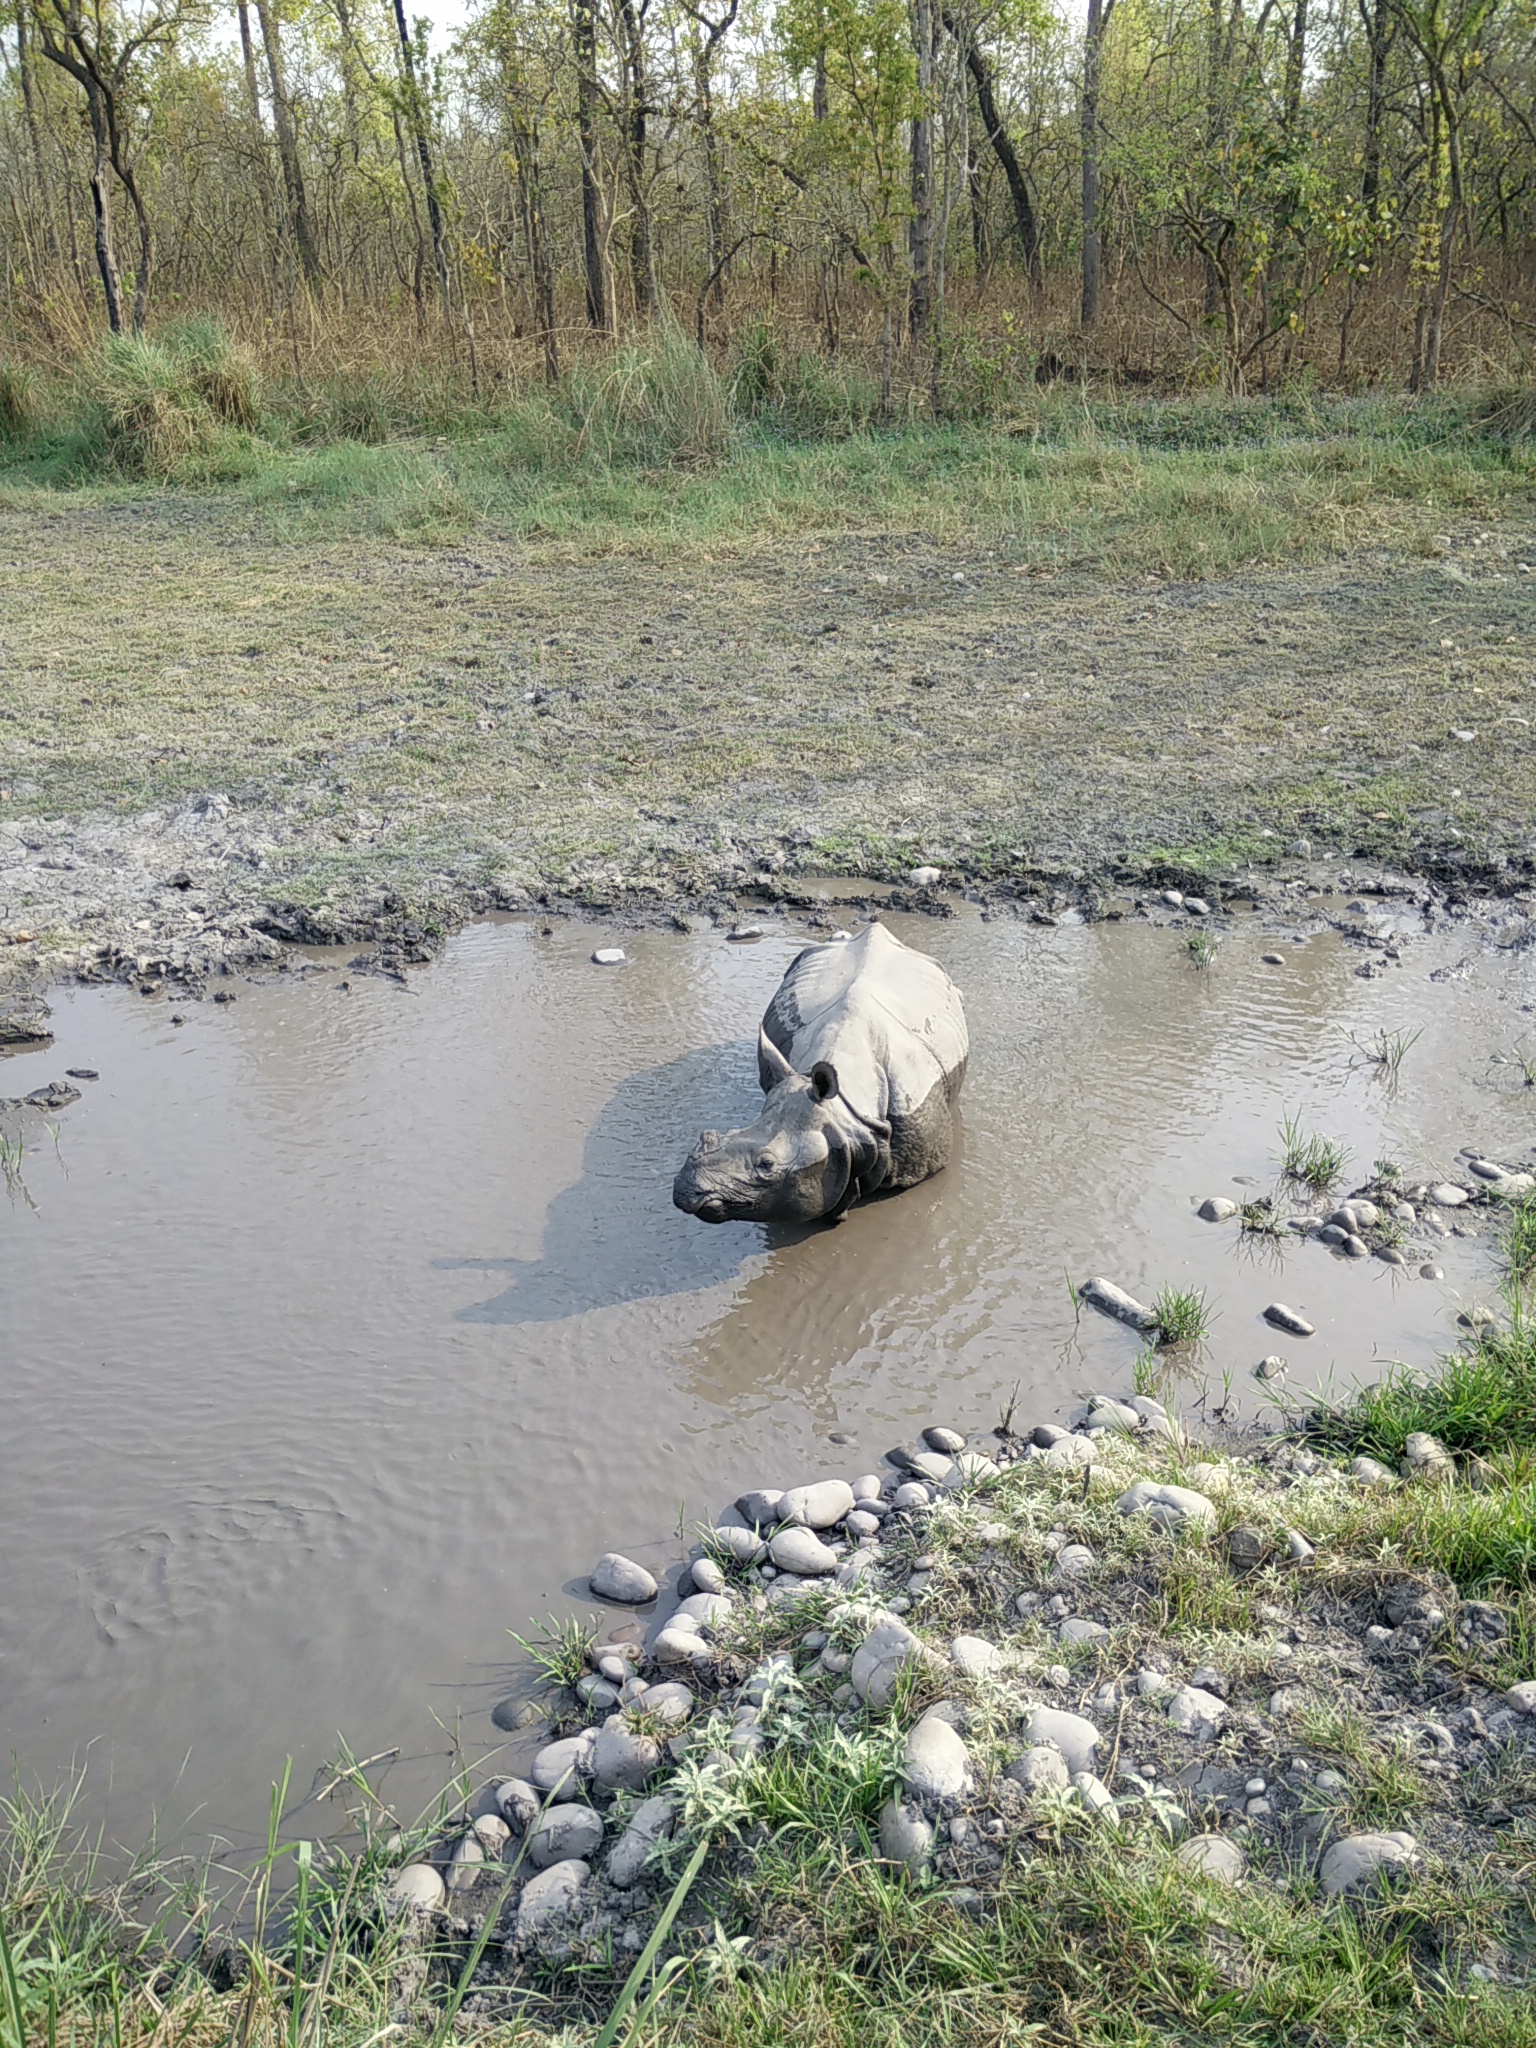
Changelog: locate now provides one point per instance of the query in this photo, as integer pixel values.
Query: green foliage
(1183, 1314)
(18, 401)
(1314, 1161)
(1479, 1402)
(662, 403)
(173, 409)
(559, 1650)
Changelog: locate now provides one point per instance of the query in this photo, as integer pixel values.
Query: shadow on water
(614, 1236)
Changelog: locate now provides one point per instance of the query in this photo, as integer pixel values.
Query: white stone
(1073, 1561)
(1111, 1300)
(868, 1486)
(551, 1896)
(418, 1887)
(705, 1610)
(518, 1802)
(615, 1577)
(1198, 1713)
(887, 1651)
(1093, 1792)
(911, 1494)
(1369, 1472)
(1070, 1733)
(650, 1823)
(1077, 1631)
(706, 1575)
(1357, 1860)
(803, 1552)
(1041, 1769)
(1287, 1319)
(622, 1760)
(1522, 1697)
(1216, 1209)
(975, 1656)
(906, 1837)
(670, 1703)
(609, 956)
(681, 1643)
(1446, 1195)
(744, 1545)
(559, 1768)
(562, 1833)
(969, 1468)
(1216, 1855)
(924, 878)
(1071, 1453)
(821, 1506)
(935, 1761)
(1173, 1506)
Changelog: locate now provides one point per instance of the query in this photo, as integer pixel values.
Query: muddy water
(351, 1325)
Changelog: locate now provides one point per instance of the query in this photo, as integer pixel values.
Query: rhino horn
(771, 1061)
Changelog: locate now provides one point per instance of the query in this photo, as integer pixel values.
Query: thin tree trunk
(1002, 145)
(288, 148)
(101, 208)
(34, 131)
(1097, 24)
(585, 25)
(920, 231)
(642, 276)
(416, 114)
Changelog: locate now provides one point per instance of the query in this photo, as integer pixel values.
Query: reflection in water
(366, 1322)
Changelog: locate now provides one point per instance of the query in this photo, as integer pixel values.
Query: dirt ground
(210, 737)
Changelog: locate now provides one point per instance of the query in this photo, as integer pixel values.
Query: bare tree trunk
(288, 148)
(1002, 145)
(635, 114)
(145, 272)
(101, 208)
(1097, 24)
(584, 18)
(920, 231)
(416, 114)
(530, 190)
(34, 132)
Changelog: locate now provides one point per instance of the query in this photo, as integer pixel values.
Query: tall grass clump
(658, 403)
(171, 407)
(1304, 1156)
(18, 401)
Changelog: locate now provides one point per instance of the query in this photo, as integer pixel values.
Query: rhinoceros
(861, 1055)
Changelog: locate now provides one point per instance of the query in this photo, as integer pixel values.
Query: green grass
(1385, 1050)
(559, 1650)
(1316, 1162)
(1520, 1241)
(1183, 1315)
(1201, 947)
(1480, 1402)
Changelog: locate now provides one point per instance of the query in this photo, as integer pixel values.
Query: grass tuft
(559, 1650)
(1318, 1163)
(1183, 1315)
(18, 401)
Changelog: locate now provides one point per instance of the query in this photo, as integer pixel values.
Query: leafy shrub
(170, 408)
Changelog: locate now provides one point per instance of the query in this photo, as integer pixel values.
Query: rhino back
(891, 1021)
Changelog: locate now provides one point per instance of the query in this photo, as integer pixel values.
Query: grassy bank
(658, 445)
(1044, 1919)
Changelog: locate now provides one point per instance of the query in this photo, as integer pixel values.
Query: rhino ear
(771, 1063)
(824, 1079)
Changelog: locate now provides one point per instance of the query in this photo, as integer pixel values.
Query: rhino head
(808, 1155)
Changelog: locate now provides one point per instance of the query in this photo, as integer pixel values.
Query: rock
(670, 1704)
(1171, 1506)
(1297, 1548)
(949, 1441)
(651, 1822)
(1522, 1697)
(707, 1576)
(821, 1506)
(1041, 1769)
(867, 1487)
(562, 1833)
(924, 878)
(1446, 1195)
(1367, 1215)
(551, 1896)
(1070, 1733)
(1102, 1413)
(417, 1888)
(887, 1651)
(1174, 898)
(558, 1769)
(931, 1467)
(1428, 1272)
(935, 1761)
(1287, 1319)
(1075, 1631)
(1245, 1548)
(1361, 1860)
(1369, 1472)
(906, 1837)
(761, 1507)
(619, 1578)
(1409, 1606)
(1074, 1561)
(1071, 1453)
(1274, 1367)
(623, 1759)
(802, 1551)
(860, 1524)
(1425, 1457)
(1273, 959)
(1197, 906)
(609, 956)
(911, 1494)
(1044, 1434)
(1199, 1714)
(597, 1693)
(1216, 1209)
(1216, 1856)
(1332, 1234)
(705, 1610)
(975, 1656)
(970, 1468)
(1390, 1255)
(1111, 1300)
(741, 1544)
(1355, 1247)
(1094, 1793)
(518, 1803)
(1208, 1677)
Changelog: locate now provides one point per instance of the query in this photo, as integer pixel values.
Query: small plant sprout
(1183, 1316)
(1007, 1412)
(1520, 1249)
(1522, 1065)
(11, 1153)
(1384, 1171)
(1144, 1373)
(1260, 1218)
(559, 1649)
(1304, 1156)
(1201, 947)
(1384, 1050)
